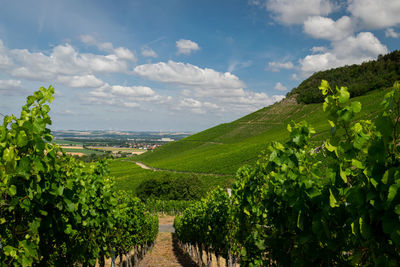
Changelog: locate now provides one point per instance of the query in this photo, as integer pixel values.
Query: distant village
(147, 144)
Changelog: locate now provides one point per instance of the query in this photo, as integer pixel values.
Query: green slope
(226, 147)
(128, 176)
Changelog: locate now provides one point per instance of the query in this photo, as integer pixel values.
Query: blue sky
(179, 65)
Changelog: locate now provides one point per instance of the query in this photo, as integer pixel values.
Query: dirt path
(166, 252)
(144, 166)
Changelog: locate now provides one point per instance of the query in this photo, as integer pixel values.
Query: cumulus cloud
(10, 87)
(120, 52)
(277, 66)
(280, 87)
(297, 11)
(148, 52)
(375, 14)
(186, 74)
(123, 96)
(5, 61)
(204, 89)
(64, 59)
(392, 33)
(84, 81)
(64, 65)
(318, 49)
(326, 28)
(351, 50)
(186, 46)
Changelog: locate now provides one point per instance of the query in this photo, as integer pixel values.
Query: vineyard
(223, 149)
(299, 205)
(55, 210)
(334, 205)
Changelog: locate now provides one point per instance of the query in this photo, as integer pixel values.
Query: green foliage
(206, 223)
(300, 207)
(170, 207)
(171, 188)
(56, 210)
(368, 76)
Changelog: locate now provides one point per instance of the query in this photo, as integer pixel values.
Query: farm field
(81, 150)
(128, 176)
(226, 147)
(118, 149)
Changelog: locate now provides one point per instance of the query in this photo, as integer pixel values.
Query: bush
(168, 188)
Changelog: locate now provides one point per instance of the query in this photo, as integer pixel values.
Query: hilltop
(360, 79)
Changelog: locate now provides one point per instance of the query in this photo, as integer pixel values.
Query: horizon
(182, 66)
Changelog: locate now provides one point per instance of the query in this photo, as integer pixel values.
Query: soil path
(166, 252)
(144, 166)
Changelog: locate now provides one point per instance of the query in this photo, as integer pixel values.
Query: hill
(226, 147)
(368, 76)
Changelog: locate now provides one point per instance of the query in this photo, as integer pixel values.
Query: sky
(179, 65)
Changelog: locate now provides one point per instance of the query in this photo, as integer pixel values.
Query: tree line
(359, 79)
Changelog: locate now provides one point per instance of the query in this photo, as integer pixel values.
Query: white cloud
(132, 91)
(392, 33)
(125, 96)
(186, 46)
(84, 81)
(206, 90)
(376, 14)
(10, 87)
(121, 52)
(64, 60)
(351, 50)
(5, 61)
(124, 53)
(88, 39)
(280, 87)
(326, 28)
(256, 2)
(236, 65)
(277, 66)
(297, 11)
(188, 75)
(318, 49)
(64, 64)
(295, 77)
(148, 52)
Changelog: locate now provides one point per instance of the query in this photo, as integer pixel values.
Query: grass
(226, 147)
(67, 142)
(128, 176)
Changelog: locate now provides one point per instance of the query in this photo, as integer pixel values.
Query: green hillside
(128, 176)
(226, 147)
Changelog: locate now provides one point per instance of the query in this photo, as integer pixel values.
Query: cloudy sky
(179, 64)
